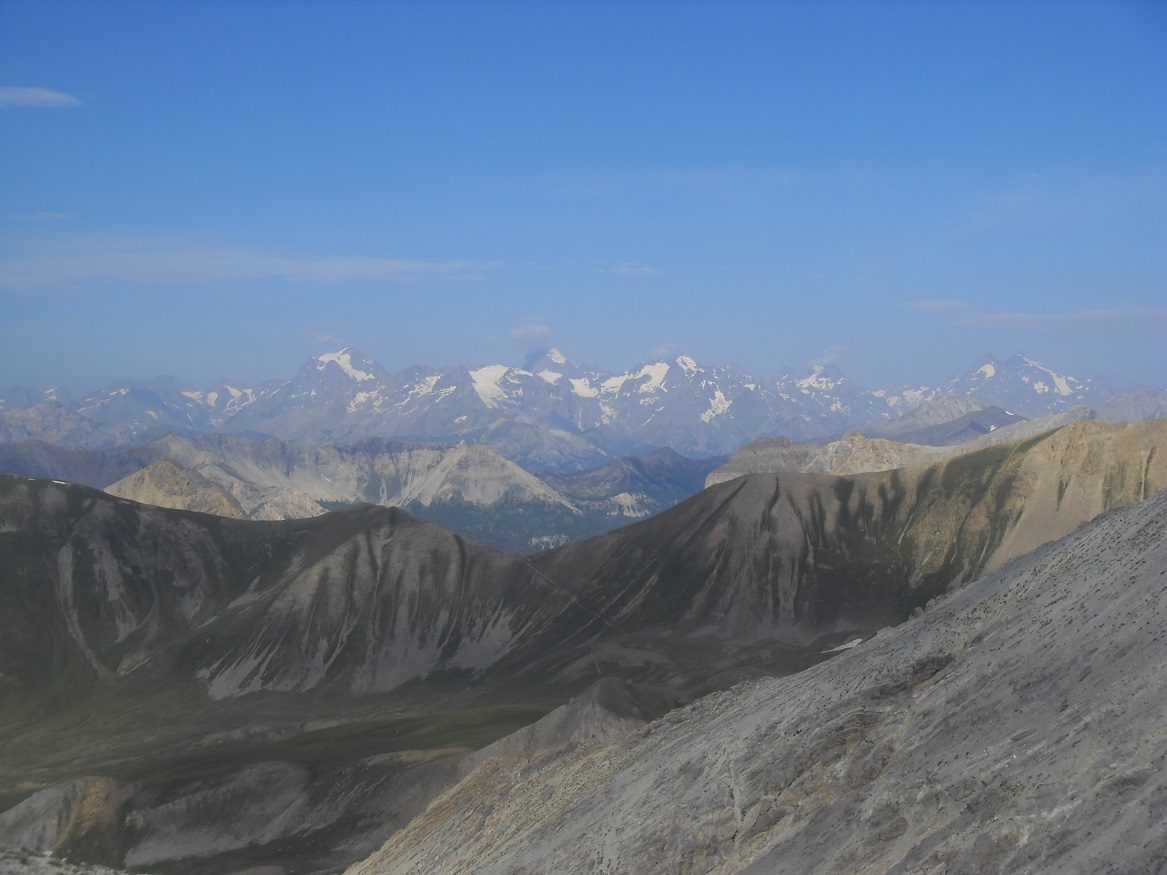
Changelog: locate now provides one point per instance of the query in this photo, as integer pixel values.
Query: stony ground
(1016, 726)
(14, 861)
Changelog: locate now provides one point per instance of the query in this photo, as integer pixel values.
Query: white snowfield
(344, 359)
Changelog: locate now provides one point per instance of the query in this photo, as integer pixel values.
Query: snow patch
(583, 388)
(988, 370)
(687, 365)
(817, 381)
(425, 386)
(556, 356)
(656, 376)
(550, 376)
(612, 384)
(345, 362)
(717, 406)
(360, 399)
(486, 384)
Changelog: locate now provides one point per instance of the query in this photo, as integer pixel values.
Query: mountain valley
(465, 487)
(198, 663)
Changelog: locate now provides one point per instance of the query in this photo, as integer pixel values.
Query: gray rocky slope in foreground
(1016, 726)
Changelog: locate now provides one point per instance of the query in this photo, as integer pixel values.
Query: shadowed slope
(367, 599)
(1016, 727)
(157, 645)
(363, 600)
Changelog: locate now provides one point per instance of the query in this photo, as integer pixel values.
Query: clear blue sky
(215, 189)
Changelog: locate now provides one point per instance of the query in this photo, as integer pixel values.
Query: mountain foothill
(555, 619)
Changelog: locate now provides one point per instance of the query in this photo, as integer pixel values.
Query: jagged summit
(352, 362)
(551, 413)
(1022, 384)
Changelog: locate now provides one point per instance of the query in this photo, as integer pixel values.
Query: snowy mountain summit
(550, 414)
(1021, 384)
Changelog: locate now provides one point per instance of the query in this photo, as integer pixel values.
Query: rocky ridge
(855, 453)
(166, 484)
(467, 488)
(1014, 727)
(237, 644)
(550, 414)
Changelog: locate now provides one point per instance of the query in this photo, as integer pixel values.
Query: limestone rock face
(259, 665)
(877, 451)
(77, 817)
(851, 454)
(368, 599)
(1016, 726)
(168, 485)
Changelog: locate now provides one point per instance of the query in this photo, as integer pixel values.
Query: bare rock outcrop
(856, 453)
(167, 484)
(80, 817)
(1013, 727)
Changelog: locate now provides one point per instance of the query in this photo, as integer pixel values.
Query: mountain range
(200, 694)
(466, 487)
(551, 414)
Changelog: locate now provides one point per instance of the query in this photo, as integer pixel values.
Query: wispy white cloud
(1041, 199)
(938, 304)
(203, 266)
(40, 216)
(532, 332)
(1144, 316)
(829, 356)
(721, 179)
(718, 182)
(628, 269)
(46, 98)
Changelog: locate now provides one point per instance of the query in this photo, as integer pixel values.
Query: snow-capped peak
(556, 356)
(486, 383)
(821, 378)
(344, 360)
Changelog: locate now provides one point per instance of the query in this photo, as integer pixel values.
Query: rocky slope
(168, 485)
(851, 454)
(632, 488)
(1014, 727)
(467, 488)
(855, 453)
(273, 479)
(369, 598)
(168, 649)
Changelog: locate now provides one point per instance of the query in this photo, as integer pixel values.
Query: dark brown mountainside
(168, 629)
(1015, 727)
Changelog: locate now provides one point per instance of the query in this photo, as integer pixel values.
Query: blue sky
(223, 189)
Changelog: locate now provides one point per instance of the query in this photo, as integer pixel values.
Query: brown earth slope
(1015, 727)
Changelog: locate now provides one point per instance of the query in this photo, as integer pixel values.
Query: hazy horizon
(855, 373)
(222, 189)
